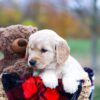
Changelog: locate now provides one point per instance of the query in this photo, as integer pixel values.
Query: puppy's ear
(62, 52)
(27, 53)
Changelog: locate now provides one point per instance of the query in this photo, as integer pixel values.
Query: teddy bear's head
(13, 42)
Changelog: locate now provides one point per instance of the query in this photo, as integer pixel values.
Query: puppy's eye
(43, 50)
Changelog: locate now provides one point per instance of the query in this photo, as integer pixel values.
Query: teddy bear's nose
(32, 62)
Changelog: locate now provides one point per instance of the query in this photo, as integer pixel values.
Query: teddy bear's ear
(19, 45)
(62, 52)
(27, 29)
(35, 29)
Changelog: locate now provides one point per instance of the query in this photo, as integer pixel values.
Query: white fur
(70, 70)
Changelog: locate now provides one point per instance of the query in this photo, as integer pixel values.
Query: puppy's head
(46, 47)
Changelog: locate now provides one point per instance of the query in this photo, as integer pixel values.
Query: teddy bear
(13, 42)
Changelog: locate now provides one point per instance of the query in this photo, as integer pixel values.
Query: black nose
(32, 62)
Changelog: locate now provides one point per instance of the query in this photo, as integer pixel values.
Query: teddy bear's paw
(49, 80)
(69, 85)
(9, 69)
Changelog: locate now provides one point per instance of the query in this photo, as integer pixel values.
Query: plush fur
(19, 68)
(51, 54)
(7, 37)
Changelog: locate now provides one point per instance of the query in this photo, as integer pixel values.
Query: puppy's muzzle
(32, 63)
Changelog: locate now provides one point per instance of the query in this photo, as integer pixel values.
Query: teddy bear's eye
(43, 50)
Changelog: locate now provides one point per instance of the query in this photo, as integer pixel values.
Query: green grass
(97, 93)
(81, 46)
(1, 55)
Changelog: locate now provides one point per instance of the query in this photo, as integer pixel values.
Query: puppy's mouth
(37, 68)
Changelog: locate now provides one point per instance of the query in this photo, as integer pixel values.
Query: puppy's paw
(49, 79)
(69, 85)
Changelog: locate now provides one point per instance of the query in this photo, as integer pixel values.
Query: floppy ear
(27, 52)
(62, 52)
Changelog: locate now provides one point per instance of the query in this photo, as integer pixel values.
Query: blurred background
(78, 21)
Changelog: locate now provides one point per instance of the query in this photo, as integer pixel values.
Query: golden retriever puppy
(49, 55)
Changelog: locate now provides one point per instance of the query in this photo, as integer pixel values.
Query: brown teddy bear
(13, 42)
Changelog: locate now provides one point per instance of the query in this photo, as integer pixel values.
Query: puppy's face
(44, 48)
(41, 53)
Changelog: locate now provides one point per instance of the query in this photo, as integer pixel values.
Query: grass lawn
(1, 55)
(97, 93)
(82, 46)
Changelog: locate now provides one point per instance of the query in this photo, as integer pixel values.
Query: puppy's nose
(32, 62)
